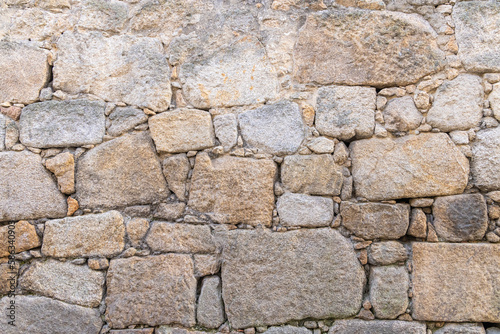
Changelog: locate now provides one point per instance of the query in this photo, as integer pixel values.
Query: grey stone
(176, 169)
(64, 281)
(418, 224)
(226, 130)
(210, 311)
(461, 329)
(477, 34)
(121, 172)
(120, 68)
(321, 145)
(304, 210)
(457, 104)
(494, 99)
(485, 165)
(32, 193)
(2, 132)
(428, 164)
(180, 238)
(175, 330)
(275, 128)
(401, 114)
(287, 330)
(105, 15)
(305, 273)
(387, 252)
(493, 330)
(125, 119)
(52, 317)
(375, 220)
(62, 123)
(377, 327)
(311, 174)
(346, 112)
(389, 291)
(90, 235)
(162, 288)
(460, 218)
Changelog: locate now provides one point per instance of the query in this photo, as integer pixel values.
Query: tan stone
(25, 237)
(63, 167)
(8, 275)
(180, 238)
(389, 291)
(485, 160)
(176, 169)
(136, 230)
(100, 263)
(418, 224)
(356, 326)
(169, 211)
(387, 252)
(206, 264)
(72, 206)
(210, 310)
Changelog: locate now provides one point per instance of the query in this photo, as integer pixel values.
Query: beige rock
(136, 230)
(418, 224)
(163, 287)
(206, 264)
(355, 326)
(176, 169)
(175, 330)
(105, 15)
(90, 235)
(321, 145)
(182, 130)
(389, 291)
(63, 167)
(180, 238)
(169, 211)
(461, 329)
(226, 130)
(412, 166)
(133, 331)
(387, 252)
(494, 99)
(210, 310)
(485, 157)
(421, 202)
(72, 206)
(304, 210)
(401, 114)
(100, 263)
(8, 275)
(25, 237)
(456, 282)
(124, 119)
(244, 192)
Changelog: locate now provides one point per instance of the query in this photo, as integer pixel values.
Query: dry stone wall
(249, 166)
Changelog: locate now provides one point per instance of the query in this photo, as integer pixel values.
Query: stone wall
(270, 166)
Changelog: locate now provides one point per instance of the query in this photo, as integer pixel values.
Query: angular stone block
(176, 169)
(125, 119)
(226, 130)
(210, 310)
(485, 163)
(401, 114)
(356, 326)
(25, 238)
(387, 252)
(287, 330)
(305, 210)
(180, 238)
(389, 291)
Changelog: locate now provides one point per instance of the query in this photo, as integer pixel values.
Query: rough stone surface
(457, 104)
(311, 174)
(287, 330)
(387, 252)
(62, 123)
(477, 34)
(460, 218)
(412, 166)
(121, 68)
(305, 210)
(52, 317)
(494, 99)
(64, 281)
(63, 167)
(90, 235)
(377, 327)
(418, 224)
(346, 112)
(226, 130)
(176, 169)
(321, 145)
(275, 128)
(206, 264)
(169, 211)
(210, 311)
(27, 188)
(461, 329)
(401, 114)
(375, 220)
(306, 273)
(125, 119)
(136, 230)
(163, 288)
(180, 238)
(107, 175)
(24, 71)
(389, 291)
(391, 48)
(2, 132)
(8, 275)
(485, 164)
(26, 238)
(244, 192)
(456, 282)
(182, 130)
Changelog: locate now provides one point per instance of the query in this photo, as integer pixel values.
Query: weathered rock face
(389, 291)
(63, 167)
(346, 112)
(494, 100)
(125, 119)
(180, 238)
(460, 217)
(305, 210)
(176, 169)
(52, 316)
(387, 252)
(90, 235)
(244, 191)
(2, 132)
(391, 48)
(210, 311)
(25, 238)
(276, 128)
(485, 164)
(162, 288)
(377, 327)
(477, 33)
(410, 166)
(286, 263)
(375, 220)
(287, 330)
(24, 71)
(401, 114)
(461, 329)
(456, 282)
(107, 176)
(121, 68)
(226, 130)
(27, 189)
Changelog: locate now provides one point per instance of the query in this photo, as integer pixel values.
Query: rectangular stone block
(180, 238)
(305, 210)
(456, 282)
(357, 326)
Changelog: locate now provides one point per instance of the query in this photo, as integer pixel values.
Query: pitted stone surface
(389, 291)
(25, 238)
(210, 311)
(180, 238)
(485, 163)
(287, 330)
(401, 114)
(304, 210)
(461, 329)
(377, 327)
(124, 119)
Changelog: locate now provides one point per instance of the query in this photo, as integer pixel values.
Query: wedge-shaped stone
(411, 166)
(239, 74)
(233, 190)
(27, 190)
(305, 210)
(90, 235)
(356, 326)
(180, 238)
(210, 310)
(25, 237)
(182, 130)
(456, 282)
(121, 68)
(52, 317)
(305, 273)
(485, 164)
(478, 34)
(24, 71)
(64, 281)
(364, 47)
(125, 119)
(121, 172)
(162, 289)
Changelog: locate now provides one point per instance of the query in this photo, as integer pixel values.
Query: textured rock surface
(485, 164)
(63, 167)
(410, 166)
(389, 291)
(32, 193)
(456, 282)
(304, 210)
(125, 119)
(375, 220)
(2, 132)
(226, 130)
(377, 327)
(286, 262)
(325, 54)
(401, 114)
(418, 224)
(136, 230)
(25, 238)
(162, 288)
(180, 238)
(90, 235)
(244, 193)
(494, 99)
(287, 330)
(210, 311)
(176, 169)
(461, 329)
(106, 175)
(387, 252)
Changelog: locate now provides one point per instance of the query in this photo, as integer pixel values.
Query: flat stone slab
(356, 326)
(62, 123)
(456, 282)
(124, 119)
(305, 210)
(287, 330)
(304, 273)
(485, 163)
(462, 329)
(180, 238)
(423, 165)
